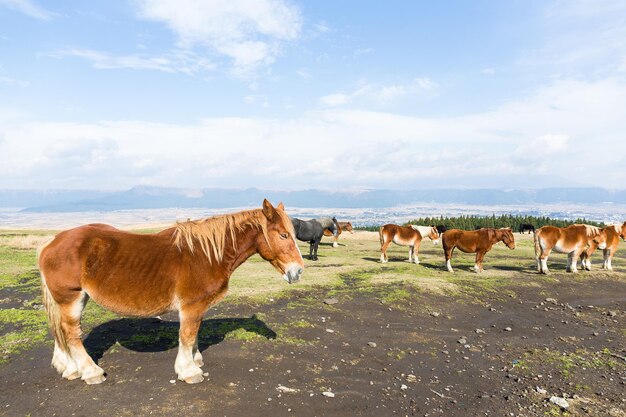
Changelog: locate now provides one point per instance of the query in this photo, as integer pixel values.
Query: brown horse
(185, 268)
(572, 240)
(405, 236)
(477, 241)
(347, 226)
(613, 233)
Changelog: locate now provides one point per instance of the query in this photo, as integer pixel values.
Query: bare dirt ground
(396, 339)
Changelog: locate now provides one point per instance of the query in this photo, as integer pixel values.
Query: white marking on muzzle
(292, 274)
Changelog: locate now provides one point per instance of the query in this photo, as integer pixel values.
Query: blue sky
(319, 94)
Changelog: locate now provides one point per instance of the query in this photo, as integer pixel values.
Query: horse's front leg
(572, 260)
(311, 244)
(186, 365)
(317, 244)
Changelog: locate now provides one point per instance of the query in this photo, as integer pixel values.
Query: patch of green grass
(243, 335)
(30, 330)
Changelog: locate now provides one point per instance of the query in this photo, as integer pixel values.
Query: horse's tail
(50, 304)
(537, 245)
(380, 235)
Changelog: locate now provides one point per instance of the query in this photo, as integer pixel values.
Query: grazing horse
(341, 226)
(312, 231)
(477, 241)
(410, 236)
(613, 233)
(526, 227)
(185, 268)
(572, 240)
(441, 228)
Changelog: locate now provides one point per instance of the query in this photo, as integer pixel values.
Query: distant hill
(146, 197)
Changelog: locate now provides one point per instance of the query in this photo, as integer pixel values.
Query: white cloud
(379, 94)
(29, 8)
(13, 82)
(551, 133)
(336, 99)
(179, 61)
(249, 32)
(543, 146)
(488, 71)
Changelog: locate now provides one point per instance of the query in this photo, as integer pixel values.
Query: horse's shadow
(155, 335)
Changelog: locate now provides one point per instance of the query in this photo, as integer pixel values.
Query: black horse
(526, 227)
(312, 231)
(441, 228)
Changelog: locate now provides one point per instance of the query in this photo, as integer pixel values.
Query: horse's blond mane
(592, 231)
(211, 233)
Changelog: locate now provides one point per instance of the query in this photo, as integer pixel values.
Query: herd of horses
(186, 269)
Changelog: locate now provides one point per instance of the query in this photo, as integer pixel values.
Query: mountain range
(149, 197)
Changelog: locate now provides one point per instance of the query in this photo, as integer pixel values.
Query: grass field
(353, 274)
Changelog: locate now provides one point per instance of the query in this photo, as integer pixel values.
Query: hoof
(70, 376)
(195, 379)
(98, 379)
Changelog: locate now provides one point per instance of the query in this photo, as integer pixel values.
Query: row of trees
(504, 220)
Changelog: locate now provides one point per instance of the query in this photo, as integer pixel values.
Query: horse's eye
(284, 235)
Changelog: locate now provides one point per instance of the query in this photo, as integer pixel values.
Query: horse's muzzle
(293, 273)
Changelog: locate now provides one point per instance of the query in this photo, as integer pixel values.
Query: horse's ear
(268, 209)
(281, 206)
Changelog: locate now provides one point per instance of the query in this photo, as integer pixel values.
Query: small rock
(330, 331)
(328, 394)
(479, 331)
(172, 381)
(330, 301)
(282, 388)
(434, 314)
(611, 313)
(411, 378)
(508, 329)
(403, 387)
(371, 344)
(462, 341)
(551, 300)
(596, 334)
(561, 402)
(541, 390)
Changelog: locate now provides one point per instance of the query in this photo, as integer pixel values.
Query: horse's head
(599, 238)
(507, 237)
(348, 227)
(278, 245)
(434, 235)
(622, 233)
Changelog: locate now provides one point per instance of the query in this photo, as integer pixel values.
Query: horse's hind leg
(186, 367)
(79, 362)
(478, 266)
(448, 255)
(383, 251)
(411, 249)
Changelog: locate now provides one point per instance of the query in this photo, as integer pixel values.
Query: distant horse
(613, 233)
(410, 236)
(441, 228)
(185, 268)
(571, 240)
(347, 226)
(526, 227)
(312, 231)
(477, 241)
